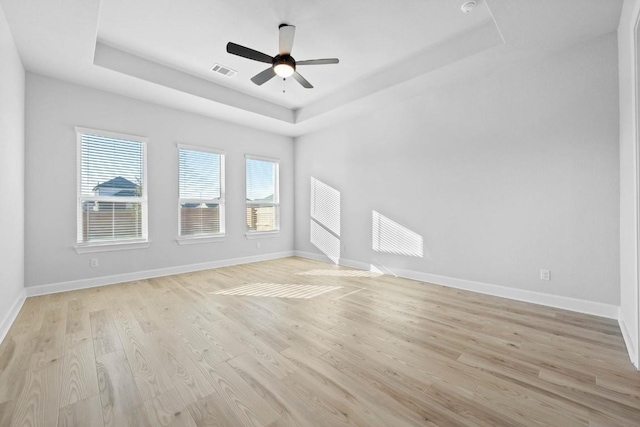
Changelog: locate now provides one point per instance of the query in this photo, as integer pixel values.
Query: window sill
(197, 240)
(261, 234)
(109, 247)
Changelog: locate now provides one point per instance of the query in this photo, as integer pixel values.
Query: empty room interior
(302, 213)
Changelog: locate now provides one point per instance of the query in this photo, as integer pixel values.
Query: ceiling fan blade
(305, 84)
(318, 61)
(263, 76)
(287, 33)
(245, 52)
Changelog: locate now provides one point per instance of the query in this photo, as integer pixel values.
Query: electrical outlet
(258, 245)
(545, 275)
(93, 263)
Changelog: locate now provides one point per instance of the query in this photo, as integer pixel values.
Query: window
(201, 192)
(112, 192)
(263, 203)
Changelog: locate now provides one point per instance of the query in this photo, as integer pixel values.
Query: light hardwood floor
(358, 349)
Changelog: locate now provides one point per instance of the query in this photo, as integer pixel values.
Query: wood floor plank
(37, 405)
(29, 319)
(259, 379)
(6, 413)
(78, 321)
(248, 406)
(203, 339)
(84, 413)
(150, 377)
(191, 384)
(168, 409)
(463, 405)
(51, 336)
(118, 393)
(271, 359)
(145, 320)
(530, 409)
(377, 350)
(338, 406)
(340, 399)
(398, 383)
(598, 397)
(292, 406)
(195, 301)
(555, 386)
(627, 385)
(79, 378)
(103, 331)
(14, 358)
(257, 324)
(212, 411)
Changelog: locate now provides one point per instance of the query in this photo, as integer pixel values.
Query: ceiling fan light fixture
(284, 65)
(284, 70)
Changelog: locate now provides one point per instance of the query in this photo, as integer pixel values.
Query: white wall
(54, 108)
(12, 81)
(629, 316)
(501, 174)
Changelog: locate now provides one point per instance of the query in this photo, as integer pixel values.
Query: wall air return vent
(225, 71)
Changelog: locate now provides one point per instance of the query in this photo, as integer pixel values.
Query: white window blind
(201, 201)
(112, 202)
(263, 201)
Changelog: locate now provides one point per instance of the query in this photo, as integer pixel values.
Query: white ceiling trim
(144, 69)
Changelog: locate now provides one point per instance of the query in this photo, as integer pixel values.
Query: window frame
(250, 234)
(115, 244)
(221, 202)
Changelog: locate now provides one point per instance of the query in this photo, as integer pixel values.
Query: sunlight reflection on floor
(340, 273)
(276, 290)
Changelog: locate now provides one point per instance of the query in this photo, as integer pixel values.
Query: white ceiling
(162, 50)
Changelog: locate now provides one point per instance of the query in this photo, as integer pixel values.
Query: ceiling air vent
(225, 71)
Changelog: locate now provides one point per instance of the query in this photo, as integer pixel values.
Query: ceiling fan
(282, 64)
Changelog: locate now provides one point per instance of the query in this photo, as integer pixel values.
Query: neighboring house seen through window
(262, 198)
(201, 179)
(112, 193)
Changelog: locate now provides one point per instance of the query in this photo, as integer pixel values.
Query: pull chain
(284, 80)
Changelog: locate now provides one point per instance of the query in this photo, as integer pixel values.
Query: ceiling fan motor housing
(286, 60)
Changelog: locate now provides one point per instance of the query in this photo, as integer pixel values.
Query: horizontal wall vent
(225, 71)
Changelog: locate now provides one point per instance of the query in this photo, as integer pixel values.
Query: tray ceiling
(162, 51)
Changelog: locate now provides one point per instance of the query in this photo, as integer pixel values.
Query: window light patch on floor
(340, 273)
(276, 290)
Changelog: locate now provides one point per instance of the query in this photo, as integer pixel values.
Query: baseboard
(567, 303)
(313, 256)
(631, 346)
(10, 317)
(572, 304)
(73, 285)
